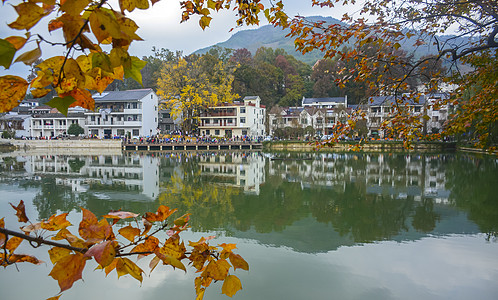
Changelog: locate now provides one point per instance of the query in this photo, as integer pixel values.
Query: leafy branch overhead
(97, 239)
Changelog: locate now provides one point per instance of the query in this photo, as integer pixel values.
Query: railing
(94, 123)
(220, 114)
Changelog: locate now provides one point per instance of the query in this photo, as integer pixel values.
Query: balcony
(219, 114)
(105, 123)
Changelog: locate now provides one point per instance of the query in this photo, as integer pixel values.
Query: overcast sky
(160, 27)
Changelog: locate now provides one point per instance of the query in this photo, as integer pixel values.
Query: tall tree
(192, 84)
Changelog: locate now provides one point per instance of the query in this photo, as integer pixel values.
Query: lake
(310, 225)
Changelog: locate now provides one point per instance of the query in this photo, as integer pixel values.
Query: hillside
(272, 37)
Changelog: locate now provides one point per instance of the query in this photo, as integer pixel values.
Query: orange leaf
(231, 285)
(55, 223)
(20, 212)
(92, 230)
(83, 98)
(104, 253)
(17, 258)
(129, 232)
(2, 236)
(68, 270)
(17, 41)
(149, 245)
(163, 212)
(238, 262)
(12, 91)
(54, 298)
(174, 248)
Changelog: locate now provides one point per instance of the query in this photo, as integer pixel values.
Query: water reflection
(308, 202)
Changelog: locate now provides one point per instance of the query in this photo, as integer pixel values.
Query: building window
(244, 132)
(242, 120)
(207, 121)
(166, 115)
(136, 132)
(217, 132)
(230, 121)
(208, 132)
(304, 121)
(274, 122)
(242, 110)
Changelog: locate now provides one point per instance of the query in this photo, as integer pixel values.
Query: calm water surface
(311, 226)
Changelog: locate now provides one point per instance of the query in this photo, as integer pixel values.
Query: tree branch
(40, 240)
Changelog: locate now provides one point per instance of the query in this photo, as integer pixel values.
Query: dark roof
(121, 95)
(329, 100)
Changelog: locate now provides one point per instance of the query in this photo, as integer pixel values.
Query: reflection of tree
(76, 164)
(425, 218)
(188, 191)
(473, 184)
(53, 198)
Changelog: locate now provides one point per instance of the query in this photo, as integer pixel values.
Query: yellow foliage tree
(188, 87)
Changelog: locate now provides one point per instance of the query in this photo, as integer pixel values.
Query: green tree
(75, 129)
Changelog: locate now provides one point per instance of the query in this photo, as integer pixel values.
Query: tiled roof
(324, 100)
(121, 95)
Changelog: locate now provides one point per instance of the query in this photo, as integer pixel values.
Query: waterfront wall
(63, 144)
(375, 146)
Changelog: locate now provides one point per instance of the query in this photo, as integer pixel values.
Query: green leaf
(7, 52)
(134, 68)
(62, 104)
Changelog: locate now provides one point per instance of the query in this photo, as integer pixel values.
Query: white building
(330, 102)
(131, 113)
(55, 124)
(245, 118)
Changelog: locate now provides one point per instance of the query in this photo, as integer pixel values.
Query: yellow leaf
(238, 262)
(129, 232)
(231, 285)
(74, 7)
(56, 222)
(218, 270)
(57, 253)
(104, 24)
(12, 91)
(125, 266)
(29, 14)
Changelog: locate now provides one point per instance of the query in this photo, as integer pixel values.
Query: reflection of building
(238, 169)
(107, 176)
(400, 176)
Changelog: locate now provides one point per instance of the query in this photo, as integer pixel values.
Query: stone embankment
(374, 146)
(63, 144)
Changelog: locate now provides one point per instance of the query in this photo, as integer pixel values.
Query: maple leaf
(163, 212)
(20, 212)
(68, 270)
(238, 262)
(57, 253)
(93, 230)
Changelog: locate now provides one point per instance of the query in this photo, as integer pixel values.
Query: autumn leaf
(121, 215)
(17, 41)
(93, 230)
(217, 269)
(174, 248)
(125, 266)
(12, 91)
(18, 258)
(163, 212)
(57, 253)
(56, 222)
(170, 260)
(74, 7)
(149, 245)
(132, 70)
(104, 253)
(28, 58)
(20, 212)
(13, 243)
(54, 298)
(231, 285)
(68, 270)
(129, 232)
(238, 262)
(29, 14)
